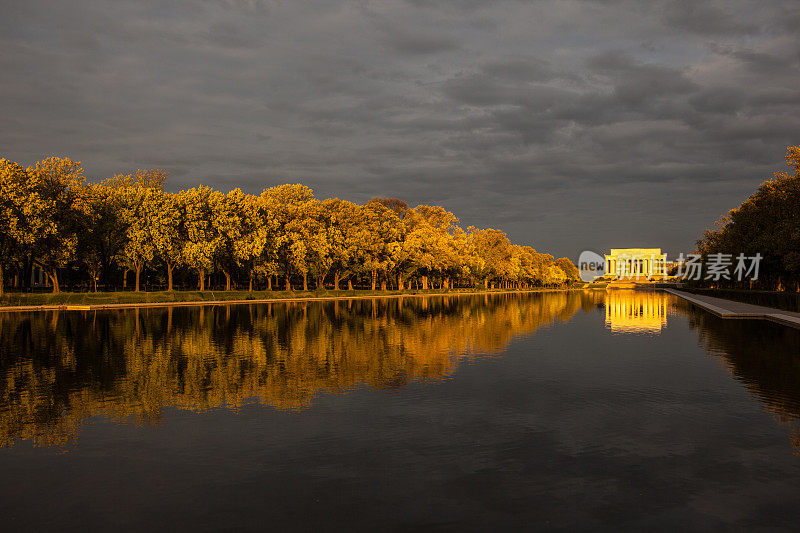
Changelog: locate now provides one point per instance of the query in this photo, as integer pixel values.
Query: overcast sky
(571, 125)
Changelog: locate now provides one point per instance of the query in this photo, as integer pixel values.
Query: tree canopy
(767, 223)
(96, 232)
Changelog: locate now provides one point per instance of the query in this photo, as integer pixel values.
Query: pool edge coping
(777, 316)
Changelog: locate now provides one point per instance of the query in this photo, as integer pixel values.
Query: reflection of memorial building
(636, 263)
(635, 311)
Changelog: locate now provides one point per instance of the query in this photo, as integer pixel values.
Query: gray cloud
(416, 42)
(568, 123)
(709, 18)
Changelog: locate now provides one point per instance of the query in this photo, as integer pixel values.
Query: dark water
(626, 411)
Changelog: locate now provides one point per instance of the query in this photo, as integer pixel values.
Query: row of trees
(767, 223)
(91, 232)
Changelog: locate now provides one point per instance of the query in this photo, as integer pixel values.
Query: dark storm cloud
(415, 42)
(708, 18)
(570, 124)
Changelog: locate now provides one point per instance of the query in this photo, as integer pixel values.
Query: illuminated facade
(636, 263)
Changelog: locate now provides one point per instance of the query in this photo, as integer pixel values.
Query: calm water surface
(619, 411)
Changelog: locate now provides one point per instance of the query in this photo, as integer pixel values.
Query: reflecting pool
(560, 410)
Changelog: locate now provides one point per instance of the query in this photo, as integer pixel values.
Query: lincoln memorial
(636, 263)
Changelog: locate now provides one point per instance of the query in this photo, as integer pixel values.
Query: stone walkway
(739, 310)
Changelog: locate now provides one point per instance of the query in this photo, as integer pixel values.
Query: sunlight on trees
(767, 223)
(94, 234)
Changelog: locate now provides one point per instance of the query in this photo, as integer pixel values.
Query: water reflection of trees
(765, 357)
(58, 368)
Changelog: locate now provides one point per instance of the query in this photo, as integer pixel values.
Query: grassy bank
(14, 299)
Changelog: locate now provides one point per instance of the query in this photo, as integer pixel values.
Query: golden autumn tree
(431, 238)
(382, 234)
(569, 268)
(59, 181)
(145, 215)
(265, 264)
(139, 248)
(491, 251)
(101, 235)
(243, 233)
(554, 275)
(346, 233)
(316, 233)
(22, 213)
(228, 214)
(166, 222)
(285, 204)
(201, 241)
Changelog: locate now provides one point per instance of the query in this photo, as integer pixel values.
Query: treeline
(767, 223)
(86, 234)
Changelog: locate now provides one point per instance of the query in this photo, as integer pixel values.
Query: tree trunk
(373, 280)
(94, 282)
(106, 272)
(125, 279)
(1, 279)
(349, 284)
(201, 274)
(336, 280)
(400, 284)
(27, 281)
(305, 281)
(138, 274)
(227, 280)
(251, 283)
(54, 279)
(170, 268)
(288, 283)
(383, 284)
(269, 282)
(424, 283)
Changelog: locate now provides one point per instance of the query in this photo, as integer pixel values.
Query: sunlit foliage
(96, 233)
(767, 223)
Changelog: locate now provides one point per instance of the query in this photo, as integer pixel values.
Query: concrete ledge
(731, 309)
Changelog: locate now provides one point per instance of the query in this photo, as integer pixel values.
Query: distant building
(636, 263)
